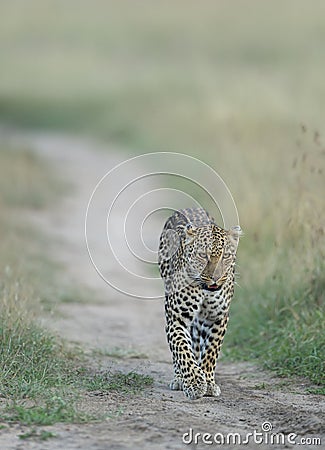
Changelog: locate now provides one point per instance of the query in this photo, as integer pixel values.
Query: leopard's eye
(202, 255)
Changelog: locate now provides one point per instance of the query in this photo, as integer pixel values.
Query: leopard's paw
(213, 390)
(196, 389)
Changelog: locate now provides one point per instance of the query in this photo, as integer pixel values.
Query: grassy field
(240, 85)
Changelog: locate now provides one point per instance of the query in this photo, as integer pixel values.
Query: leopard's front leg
(213, 332)
(189, 376)
(176, 384)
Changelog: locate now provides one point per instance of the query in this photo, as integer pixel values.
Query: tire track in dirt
(158, 418)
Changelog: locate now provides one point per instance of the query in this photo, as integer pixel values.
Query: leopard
(196, 260)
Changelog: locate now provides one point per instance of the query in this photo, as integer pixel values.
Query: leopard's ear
(190, 232)
(234, 234)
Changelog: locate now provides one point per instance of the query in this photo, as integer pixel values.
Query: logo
(129, 206)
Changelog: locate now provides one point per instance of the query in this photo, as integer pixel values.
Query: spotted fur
(197, 264)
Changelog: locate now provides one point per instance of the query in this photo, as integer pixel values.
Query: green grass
(281, 328)
(131, 382)
(40, 435)
(55, 410)
(32, 361)
(239, 85)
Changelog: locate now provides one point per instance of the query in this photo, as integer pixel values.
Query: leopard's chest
(214, 304)
(199, 301)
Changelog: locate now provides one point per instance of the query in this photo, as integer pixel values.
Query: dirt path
(158, 418)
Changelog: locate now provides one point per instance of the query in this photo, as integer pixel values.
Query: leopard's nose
(211, 281)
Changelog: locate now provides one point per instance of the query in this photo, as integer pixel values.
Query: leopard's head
(210, 253)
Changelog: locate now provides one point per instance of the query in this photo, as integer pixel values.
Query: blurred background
(239, 85)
